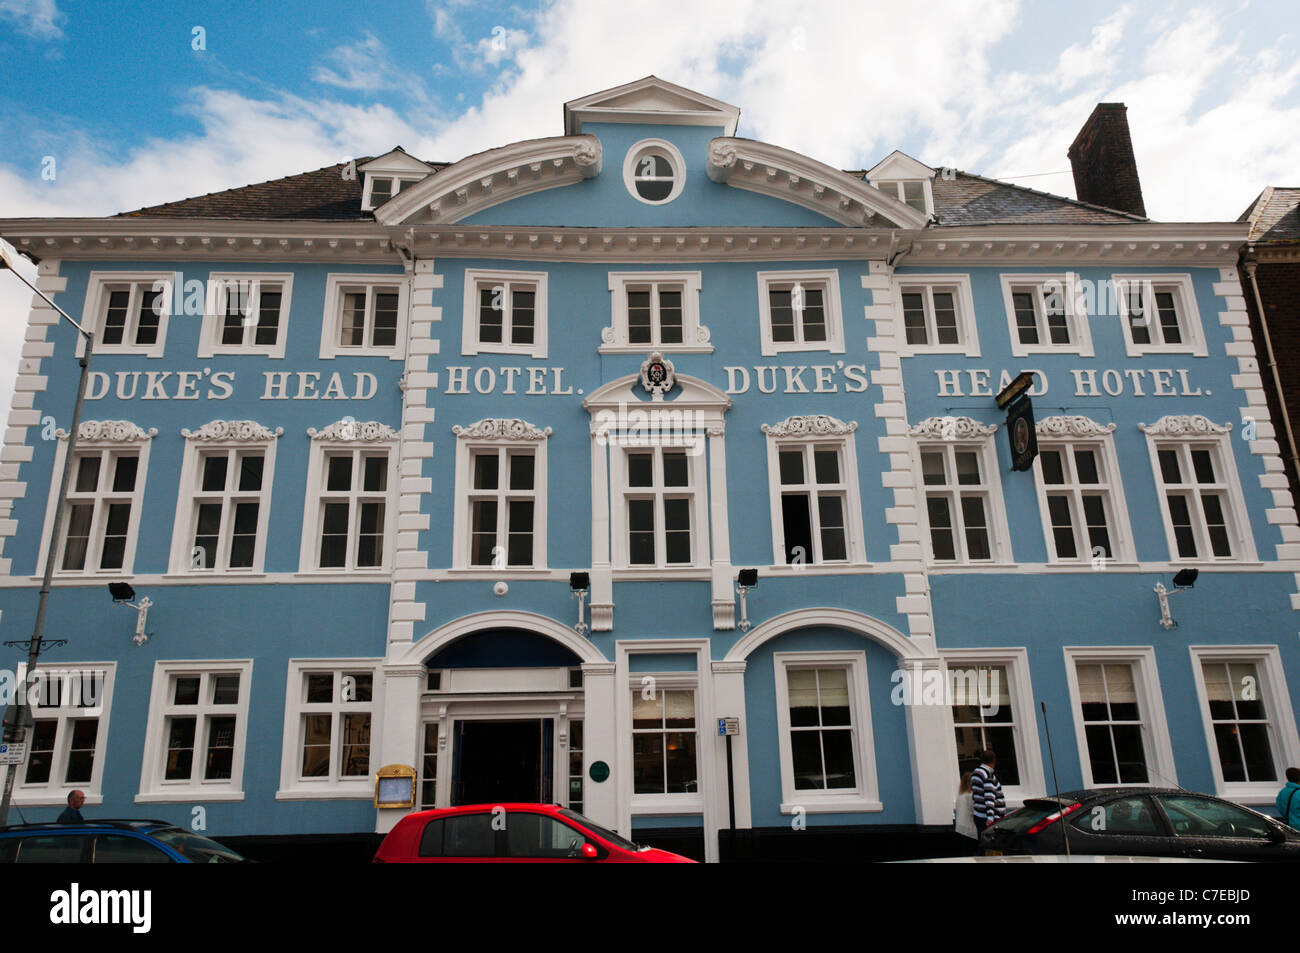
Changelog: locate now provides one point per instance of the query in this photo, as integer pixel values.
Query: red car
(508, 834)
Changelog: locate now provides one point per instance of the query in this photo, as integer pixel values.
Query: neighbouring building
(354, 431)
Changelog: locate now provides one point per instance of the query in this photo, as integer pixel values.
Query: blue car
(110, 842)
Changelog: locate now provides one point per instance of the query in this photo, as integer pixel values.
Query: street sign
(728, 726)
(13, 753)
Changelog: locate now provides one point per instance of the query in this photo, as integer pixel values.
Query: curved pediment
(489, 178)
(687, 393)
(778, 172)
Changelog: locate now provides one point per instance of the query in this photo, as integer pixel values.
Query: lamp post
(21, 709)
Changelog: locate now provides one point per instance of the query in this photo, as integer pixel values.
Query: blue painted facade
(897, 610)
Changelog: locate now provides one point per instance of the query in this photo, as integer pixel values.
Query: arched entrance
(500, 710)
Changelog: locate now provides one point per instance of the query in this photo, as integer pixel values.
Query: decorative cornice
(1072, 425)
(348, 430)
(492, 177)
(813, 425)
(109, 431)
(244, 430)
(791, 177)
(1183, 425)
(501, 428)
(951, 428)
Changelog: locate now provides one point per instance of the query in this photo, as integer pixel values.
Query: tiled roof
(325, 195)
(970, 199)
(1274, 215)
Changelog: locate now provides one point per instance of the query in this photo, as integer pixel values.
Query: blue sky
(133, 115)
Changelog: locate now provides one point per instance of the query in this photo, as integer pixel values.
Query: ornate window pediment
(811, 425)
(109, 431)
(234, 430)
(951, 428)
(1072, 425)
(1184, 425)
(347, 429)
(501, 428)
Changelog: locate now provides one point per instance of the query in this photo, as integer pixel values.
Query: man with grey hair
(72, 813)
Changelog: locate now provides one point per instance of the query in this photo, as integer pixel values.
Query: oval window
(654, 172)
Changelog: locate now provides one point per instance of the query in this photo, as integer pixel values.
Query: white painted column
(724, 599)
(600, 801)
(400, 741)
(602, 578)
(729, 702)
(933, 745)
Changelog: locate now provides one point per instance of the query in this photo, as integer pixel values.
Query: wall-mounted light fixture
(746, 580)
(122, 595)
(580, 583)
(1183, 579)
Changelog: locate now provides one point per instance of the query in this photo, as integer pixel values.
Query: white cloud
(37, 18)
(1079, 62)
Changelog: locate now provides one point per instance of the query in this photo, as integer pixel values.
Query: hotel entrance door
(502, 761)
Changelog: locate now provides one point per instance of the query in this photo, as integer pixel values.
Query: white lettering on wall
(824, 378)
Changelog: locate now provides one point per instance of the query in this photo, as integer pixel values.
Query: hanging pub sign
(1020, 421)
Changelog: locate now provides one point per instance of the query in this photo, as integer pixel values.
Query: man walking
(72, 813)
(987, 803)
(1288, 805)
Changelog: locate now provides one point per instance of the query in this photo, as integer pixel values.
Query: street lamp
(746, 580)
(22, 713)
(580, 583)
(122, 594)
(1183, 579)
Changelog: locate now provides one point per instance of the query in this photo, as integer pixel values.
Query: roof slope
(325, 195)
(1274, 215)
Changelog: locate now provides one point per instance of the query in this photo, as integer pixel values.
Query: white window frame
(621, 492)
(829, 280)
(664, 149)
(866, 795)
(95, 310)
(964, 302)
(313, 514)
(336, 285)
(1161, 769)
(1189, 316)
(1277, 705)
(475, 280)
(995, 511)
(1024, 714)
(1076, 318)
(1121, 533)
(1240, 534)
(86, 447)
(895, 189)
(678, 801)
(695, 337)
(187, 505)
(153, 787)
(214, 314)
(466, 447)
(845, 444)
(54, 792)
(293, 786)
(399, 182)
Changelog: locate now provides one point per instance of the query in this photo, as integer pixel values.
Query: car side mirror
(589, 851)
(1276, 835)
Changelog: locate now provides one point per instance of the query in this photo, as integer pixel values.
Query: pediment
(899, 165)
(650, 100)
(396, 161)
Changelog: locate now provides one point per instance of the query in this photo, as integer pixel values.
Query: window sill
(663, 348)
(336, 573)
(1155, 351)
(772, 350)
(35, 799)
(215, 576)
(1247, 793)
(331, 793)
(825, 805)
(658, 574)
(530, 352)
(506, 572)
(667, 804)
(187, 794)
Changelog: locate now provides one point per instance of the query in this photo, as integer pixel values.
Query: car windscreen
(618, 841)
(1020, 821)
(198, 850)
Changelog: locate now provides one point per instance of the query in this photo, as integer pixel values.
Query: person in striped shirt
(987, 803)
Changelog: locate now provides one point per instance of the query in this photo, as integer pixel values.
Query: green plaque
(599, 771)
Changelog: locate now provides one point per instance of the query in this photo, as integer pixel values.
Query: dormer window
(381, 188)
(909, 191)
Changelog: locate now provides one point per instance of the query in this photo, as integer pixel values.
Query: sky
(107, 107)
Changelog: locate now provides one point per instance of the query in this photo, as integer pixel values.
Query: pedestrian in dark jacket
(72, 813)
(987, 803)
(1288, 805)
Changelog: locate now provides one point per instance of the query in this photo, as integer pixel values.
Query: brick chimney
(1105, 172)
